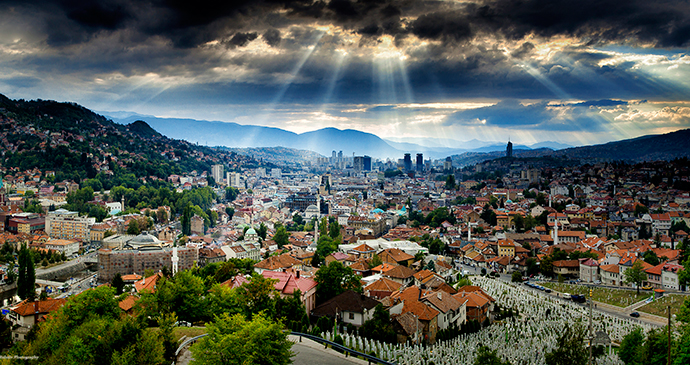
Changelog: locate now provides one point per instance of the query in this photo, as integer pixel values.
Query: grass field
(659, 306)
(617, 297)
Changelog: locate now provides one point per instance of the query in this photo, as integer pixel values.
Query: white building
(669, 276)
(217, 172)
(276, 173)
(68, 247)
(234, 179)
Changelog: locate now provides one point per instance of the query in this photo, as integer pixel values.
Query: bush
(339, 340)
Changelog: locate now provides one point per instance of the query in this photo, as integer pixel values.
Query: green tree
(631, 344)
(89, 329)
(650, 257)
(262, 231)
(118, 284)
(379, 327)
(635, 275)
(570, 348)
(186, 221)
(334, 229)
(375, 261)
(281, 237)
(235, 340)
(257, 296)
(162, 215)
(334, 279)
(450, 182)
(133, 227)
(516, 277)
(486, 356)
(26, 276)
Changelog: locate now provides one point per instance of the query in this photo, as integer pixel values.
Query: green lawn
(617, 297)
(659, 306)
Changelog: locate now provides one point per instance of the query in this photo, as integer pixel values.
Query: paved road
(307, 355)
(307, 352)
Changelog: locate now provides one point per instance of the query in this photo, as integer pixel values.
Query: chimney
(438, 295)
(297, 274)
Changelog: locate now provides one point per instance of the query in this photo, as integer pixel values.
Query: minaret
(175, 259)
(316, 232)
(555, 232)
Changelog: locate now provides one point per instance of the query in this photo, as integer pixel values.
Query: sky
(576, 72)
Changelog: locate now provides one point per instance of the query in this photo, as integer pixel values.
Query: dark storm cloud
(21, 81)
(188, 24)
(241, 39)
(543, 116)
(272, 37)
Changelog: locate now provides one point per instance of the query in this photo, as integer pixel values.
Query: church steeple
(509, 149)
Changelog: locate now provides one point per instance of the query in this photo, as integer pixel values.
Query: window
(352, 315)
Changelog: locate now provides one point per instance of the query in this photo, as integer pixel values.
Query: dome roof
(250, 231)
(377, 210)
(312, 207)
(144, 239)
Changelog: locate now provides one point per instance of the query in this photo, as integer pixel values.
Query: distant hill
(143, 130)
(322, 141)
(646, 148)
(281, 156)
(77, 143)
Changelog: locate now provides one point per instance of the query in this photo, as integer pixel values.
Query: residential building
(68, 247)
(610, 274)
(64, 224)
(26, 314)
(349, 307)
(288, 283)
(567, 268)
(669, 276)
(589, 270)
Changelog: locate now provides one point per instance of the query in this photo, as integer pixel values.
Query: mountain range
(323, 141)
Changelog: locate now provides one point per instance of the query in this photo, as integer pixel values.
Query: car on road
(635, 314)
(566, 295)
(578, 298)
(183, 324)
(647, 287)
(547, 290)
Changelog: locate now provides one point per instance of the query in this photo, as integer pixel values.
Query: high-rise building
(234, 179)
(217, 173)
(64, 224)
(420, 163)
(448, 164)
(358, 163)
(276, 173)
(367, 163)
(509, 149)
(407, 162)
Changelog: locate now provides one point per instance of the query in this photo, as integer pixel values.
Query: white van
(566, 296)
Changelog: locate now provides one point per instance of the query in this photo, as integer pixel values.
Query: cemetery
(522, 339)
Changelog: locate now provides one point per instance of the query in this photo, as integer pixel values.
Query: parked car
(183, 324)
(547, 290)
(566, 295)
(647, 287)
(635, 314)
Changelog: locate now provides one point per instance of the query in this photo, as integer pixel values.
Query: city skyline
(577, 73)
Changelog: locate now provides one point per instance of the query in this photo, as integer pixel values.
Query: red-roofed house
(589, 270)
(610, 274)
(288, 283)
(26, 314)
